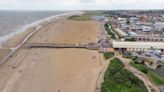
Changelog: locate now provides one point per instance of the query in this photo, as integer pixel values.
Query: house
(159, 26)
(122, 20)
(134, 20)
(146, 28)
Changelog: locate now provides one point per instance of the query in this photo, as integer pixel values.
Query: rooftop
(120, 32)
(119, 44)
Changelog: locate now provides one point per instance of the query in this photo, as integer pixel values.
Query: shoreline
(55, 69)
(34, 24)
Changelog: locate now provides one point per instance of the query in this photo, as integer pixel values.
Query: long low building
(149, 38)
(138, 46)
(121, 33)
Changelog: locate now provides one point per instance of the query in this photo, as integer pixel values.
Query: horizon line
(80, 9)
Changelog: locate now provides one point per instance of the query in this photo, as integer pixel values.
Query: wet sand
(50, 69)
(17, 39)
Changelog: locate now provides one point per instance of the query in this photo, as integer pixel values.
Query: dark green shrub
(108, 55)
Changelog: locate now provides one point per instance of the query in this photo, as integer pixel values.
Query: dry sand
(66, 31)
(50, 69)
(4, 52)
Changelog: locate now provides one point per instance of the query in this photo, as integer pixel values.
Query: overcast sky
(80, 4)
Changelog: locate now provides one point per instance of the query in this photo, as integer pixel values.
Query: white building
(138, 46)
(159, 26)
(134, 20)
(133, 34)
(146, 28)
(122, 20)
(136, 27)
(121, 33)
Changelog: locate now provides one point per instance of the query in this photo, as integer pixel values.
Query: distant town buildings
(159, 26)
(142, 27)
(143, 30)
(141, 33)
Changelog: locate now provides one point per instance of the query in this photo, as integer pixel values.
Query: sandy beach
(50, 69)
(4, 52)
(17, 39)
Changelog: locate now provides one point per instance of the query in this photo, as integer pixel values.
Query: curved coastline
(37, 25)
(54, 69)
(24, 28)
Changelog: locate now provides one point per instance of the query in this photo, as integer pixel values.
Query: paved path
(150, 86)
(14, 49)
(101, 74)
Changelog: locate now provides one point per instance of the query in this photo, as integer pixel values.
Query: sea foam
(3, 39)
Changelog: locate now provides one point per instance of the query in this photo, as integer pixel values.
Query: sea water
(13, 22)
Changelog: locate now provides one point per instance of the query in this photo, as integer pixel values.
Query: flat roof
(146, 45)
(120, 32)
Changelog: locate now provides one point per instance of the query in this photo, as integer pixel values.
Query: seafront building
(149, 38)
(147, 31)
(137, 46)
(140, 35)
